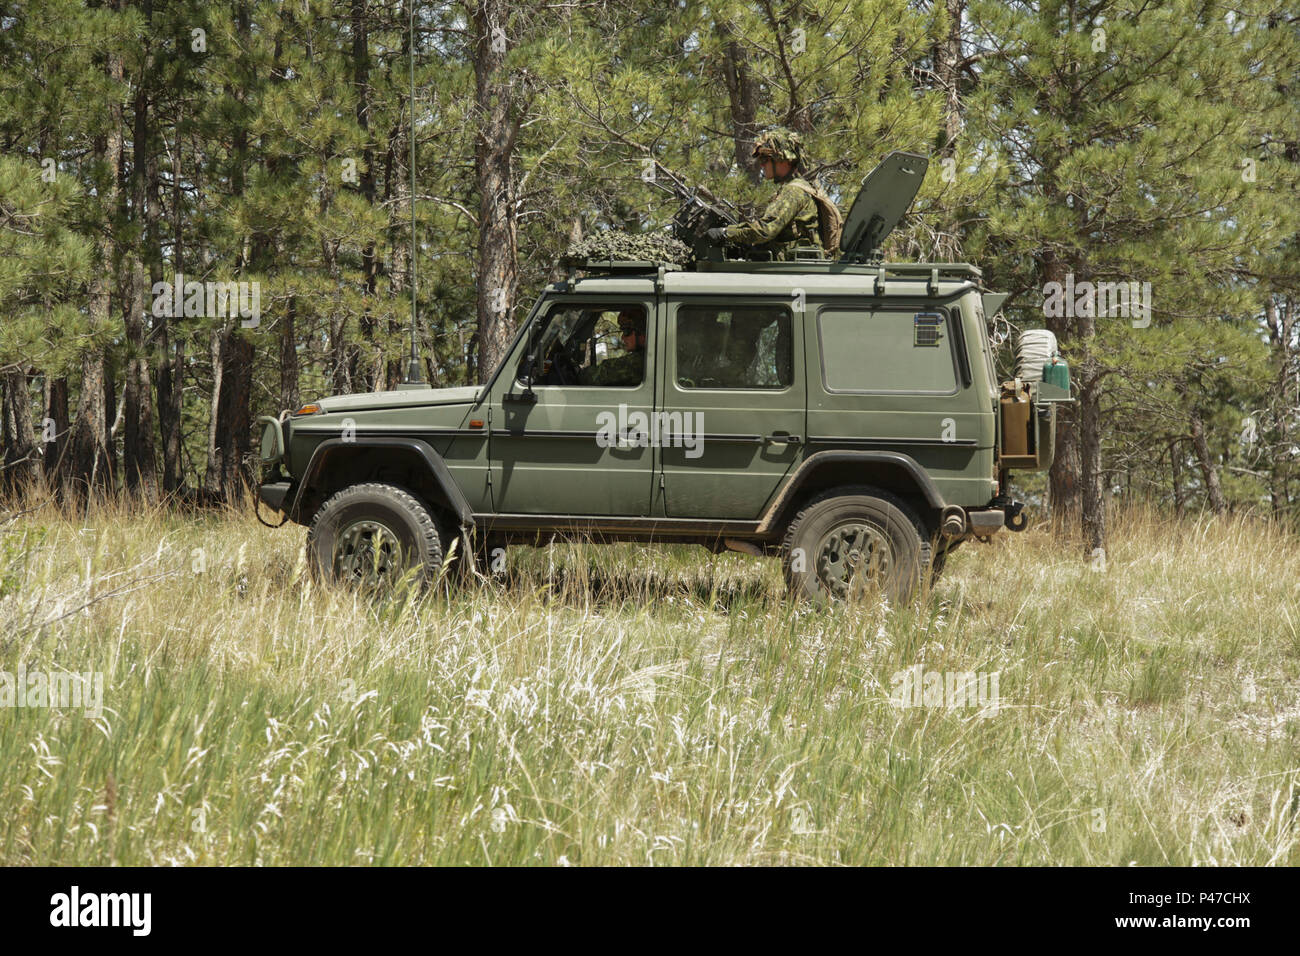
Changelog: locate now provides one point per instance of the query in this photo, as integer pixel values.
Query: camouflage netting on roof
(627, 246)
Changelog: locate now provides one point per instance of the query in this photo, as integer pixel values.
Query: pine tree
(1124, 127)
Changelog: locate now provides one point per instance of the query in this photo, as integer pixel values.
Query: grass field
(635, 705)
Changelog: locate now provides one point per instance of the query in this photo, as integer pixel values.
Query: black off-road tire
(349, 539)
(832, 530)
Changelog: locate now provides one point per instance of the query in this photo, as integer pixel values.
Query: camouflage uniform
(624, 370)
(790, 219)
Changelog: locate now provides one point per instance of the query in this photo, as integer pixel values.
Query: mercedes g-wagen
(842, 414)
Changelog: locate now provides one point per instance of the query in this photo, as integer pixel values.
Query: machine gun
(700, 211)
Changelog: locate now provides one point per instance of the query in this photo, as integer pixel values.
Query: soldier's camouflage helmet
(780, 144)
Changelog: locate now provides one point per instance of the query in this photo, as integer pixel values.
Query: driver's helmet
(631, 321)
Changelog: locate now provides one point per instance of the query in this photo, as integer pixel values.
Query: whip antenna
(413, 372)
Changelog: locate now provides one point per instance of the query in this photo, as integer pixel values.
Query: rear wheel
(373, 536)
(852, 541)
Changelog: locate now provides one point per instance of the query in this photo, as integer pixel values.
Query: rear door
(733, 407)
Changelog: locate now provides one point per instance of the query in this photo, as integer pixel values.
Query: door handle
(782, 438)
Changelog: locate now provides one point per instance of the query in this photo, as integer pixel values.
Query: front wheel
(853, 540)
(372, 536)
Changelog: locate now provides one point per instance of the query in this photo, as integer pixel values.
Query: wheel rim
(852, 557)
(367, 552)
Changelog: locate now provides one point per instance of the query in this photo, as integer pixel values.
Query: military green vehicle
(842, 414)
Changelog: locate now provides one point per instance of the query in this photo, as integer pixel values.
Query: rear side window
(734, 347)
(887, 351)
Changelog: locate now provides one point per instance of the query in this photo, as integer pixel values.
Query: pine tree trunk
(139, 455)
(89, 456)
(1176, 477)
(1209, 471)
(212, 473)
(742, 95)
(396, 189)
(1092, 491)
(366, 377)
(948, 58)
(234, 421)
(340, 352)
(17, 437)
(230, 428)
(112, 417)
(1280, 316)
(289, 356)
(87, 466)
(171, 385)
(948, 64)
(171, 354)
(498, 257)
(1064, 478)
(55, 427)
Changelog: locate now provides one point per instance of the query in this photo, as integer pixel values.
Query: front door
(733, 392)
(567, 452)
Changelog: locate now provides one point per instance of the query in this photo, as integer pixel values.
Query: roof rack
(932, 273)
(921, 270)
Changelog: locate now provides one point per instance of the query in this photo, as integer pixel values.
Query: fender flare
(441, 474)
(815, 461)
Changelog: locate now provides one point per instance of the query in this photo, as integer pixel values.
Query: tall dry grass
(630, 704)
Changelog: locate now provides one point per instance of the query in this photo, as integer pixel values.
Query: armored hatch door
(884, 198)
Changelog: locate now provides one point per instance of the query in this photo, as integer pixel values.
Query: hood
(371, 401)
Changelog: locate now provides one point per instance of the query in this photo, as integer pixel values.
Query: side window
(601, 345)
(726, 347)
(887, 351)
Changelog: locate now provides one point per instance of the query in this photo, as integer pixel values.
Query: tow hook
(1016, 519)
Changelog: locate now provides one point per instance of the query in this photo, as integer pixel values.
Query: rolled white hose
(1034, 350)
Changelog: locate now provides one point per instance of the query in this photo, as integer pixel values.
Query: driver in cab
(627, 369)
